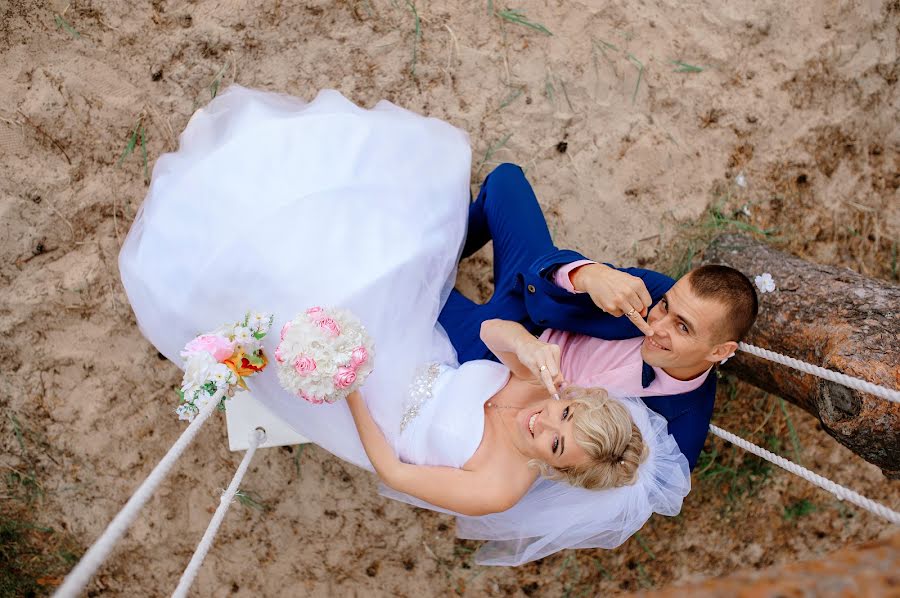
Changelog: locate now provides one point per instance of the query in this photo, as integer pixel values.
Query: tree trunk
(834, 318)
(866, 570)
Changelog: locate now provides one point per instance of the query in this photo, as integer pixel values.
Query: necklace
(496, 406)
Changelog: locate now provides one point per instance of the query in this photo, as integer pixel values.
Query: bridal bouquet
(220, 360)
(324, 355)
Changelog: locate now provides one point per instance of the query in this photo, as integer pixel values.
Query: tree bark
(866, 570)
(831, 317)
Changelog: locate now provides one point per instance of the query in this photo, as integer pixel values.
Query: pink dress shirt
(613, 365)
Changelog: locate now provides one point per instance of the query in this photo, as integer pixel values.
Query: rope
(839, 491)
(187, 578)
(849, 381)
(94, 557)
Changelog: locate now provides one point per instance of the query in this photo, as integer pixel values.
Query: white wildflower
(746, 210)
(259, 322)
(185, 412)
(765, 283)
(741, 180)
(222, 376)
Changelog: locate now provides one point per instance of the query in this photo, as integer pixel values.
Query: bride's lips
(526, 421)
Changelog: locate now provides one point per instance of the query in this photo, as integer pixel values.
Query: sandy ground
(792, 112)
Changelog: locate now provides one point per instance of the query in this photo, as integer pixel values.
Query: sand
(791, 112)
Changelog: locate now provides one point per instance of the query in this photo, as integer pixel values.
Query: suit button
(531, 288)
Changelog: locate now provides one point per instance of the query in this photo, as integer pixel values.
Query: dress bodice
(443, 419)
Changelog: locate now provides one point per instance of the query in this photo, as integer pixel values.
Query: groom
(591, 316)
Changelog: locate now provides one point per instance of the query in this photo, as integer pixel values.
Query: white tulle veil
(554, 516)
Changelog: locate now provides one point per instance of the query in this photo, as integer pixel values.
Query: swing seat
(244, 414)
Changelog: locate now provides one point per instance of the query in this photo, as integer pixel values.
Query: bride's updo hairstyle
(612, 441)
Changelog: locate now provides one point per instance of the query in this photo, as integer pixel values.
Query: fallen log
(831, 317)
(866, 570)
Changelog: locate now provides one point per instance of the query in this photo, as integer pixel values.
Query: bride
(276, 204)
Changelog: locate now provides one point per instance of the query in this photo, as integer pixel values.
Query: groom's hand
(615, 292)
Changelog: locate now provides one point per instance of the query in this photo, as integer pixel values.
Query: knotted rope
(94, 557)
(190, 572)
(808, 368)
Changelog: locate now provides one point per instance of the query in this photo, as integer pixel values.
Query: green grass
(736, 475)
(644, 546)
(34, 558)
(217, 80)
(514, 94)
(795, 439)
(491, 150)
(683, 67)
(417, 36)
(518, 17)
(61, 23)
(132, 141)
(693, 237)
(640, 67)
(251, 499)
(602, 570)
(798, 509)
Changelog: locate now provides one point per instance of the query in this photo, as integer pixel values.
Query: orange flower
(241, 365)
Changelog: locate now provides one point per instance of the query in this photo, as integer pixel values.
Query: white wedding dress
(275, 204)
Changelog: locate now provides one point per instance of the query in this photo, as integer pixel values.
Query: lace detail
(420, 391)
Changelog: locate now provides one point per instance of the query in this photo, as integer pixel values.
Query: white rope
(839, 491)
(855, 383)
(94, 557)
(187, 578)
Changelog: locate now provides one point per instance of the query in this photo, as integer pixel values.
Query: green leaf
(64, 24)
(130, 146)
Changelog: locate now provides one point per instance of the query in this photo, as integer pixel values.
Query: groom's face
(685, 329)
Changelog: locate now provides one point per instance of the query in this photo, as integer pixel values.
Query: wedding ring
(542, 368)
(631, 313)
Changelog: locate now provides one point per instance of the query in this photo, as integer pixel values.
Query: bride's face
(545, 431)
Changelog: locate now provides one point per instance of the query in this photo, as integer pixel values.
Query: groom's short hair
(733, 290)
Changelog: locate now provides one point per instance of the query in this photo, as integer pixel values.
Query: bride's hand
(543, 360)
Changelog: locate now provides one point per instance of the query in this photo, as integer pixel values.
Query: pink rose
(278, 355)
(344, 377)
(358, 357)
(310, 398)
(313, 311)
(304, 365)
(329, 326)
(218, 346)
(285, 328)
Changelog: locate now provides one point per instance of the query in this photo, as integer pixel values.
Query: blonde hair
(611, 439)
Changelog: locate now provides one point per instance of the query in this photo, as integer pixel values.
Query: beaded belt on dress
(420, 390)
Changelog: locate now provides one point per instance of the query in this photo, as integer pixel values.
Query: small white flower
(260, 322)
(741, 180)
(185, 412)
(765, 283)
(243, 335)
(222, 376)
(746, 210)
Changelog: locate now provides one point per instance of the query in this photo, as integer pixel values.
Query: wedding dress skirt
(275, 204)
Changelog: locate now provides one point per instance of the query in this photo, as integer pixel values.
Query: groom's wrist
(582, 275)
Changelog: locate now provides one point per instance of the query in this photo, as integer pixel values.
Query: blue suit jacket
(550, 306)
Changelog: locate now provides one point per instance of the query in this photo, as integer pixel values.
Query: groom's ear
(722, 351)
